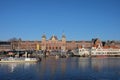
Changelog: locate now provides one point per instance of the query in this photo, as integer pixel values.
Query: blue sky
(78, 19)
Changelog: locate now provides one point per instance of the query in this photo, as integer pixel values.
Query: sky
(77, 19)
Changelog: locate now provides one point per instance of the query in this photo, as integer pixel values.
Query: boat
(22, 59)
(57, 56)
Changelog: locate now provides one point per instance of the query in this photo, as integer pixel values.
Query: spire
(53, 37)
(44, 36)
(63, 35)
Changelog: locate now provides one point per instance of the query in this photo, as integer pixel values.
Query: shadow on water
(74, 68)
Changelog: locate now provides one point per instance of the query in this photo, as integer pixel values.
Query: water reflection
(105, 63)
(79, 68)
(73, 68)
(84, 63)
(12, 66)
(15, 71)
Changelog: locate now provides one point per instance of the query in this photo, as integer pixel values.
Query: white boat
(11, 59)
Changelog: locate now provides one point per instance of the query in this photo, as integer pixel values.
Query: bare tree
(13, 39)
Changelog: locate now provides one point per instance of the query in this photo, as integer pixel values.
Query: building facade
(5, 45)
(53, 44)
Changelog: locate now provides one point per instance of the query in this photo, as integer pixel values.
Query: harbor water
(72, 68)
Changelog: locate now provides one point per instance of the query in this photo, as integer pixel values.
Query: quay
(60, 47)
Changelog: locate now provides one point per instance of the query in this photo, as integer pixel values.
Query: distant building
(5, 45)
(53, 43)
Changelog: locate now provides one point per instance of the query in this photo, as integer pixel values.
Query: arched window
(59, 47)
(49, 47)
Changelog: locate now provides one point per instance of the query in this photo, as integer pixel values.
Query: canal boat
(11, 59)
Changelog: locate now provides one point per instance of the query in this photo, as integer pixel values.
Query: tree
(13, 39)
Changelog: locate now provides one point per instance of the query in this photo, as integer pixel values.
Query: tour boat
(11, 59)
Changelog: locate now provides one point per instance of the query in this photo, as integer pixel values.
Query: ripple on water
(74, 68)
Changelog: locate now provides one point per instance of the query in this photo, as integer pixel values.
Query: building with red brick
(53, 43)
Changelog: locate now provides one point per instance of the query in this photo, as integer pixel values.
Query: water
(75, 68)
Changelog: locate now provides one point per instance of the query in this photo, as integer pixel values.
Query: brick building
(53, 43)
(5, 45)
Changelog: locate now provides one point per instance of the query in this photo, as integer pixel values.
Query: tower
(43, 38)
(63, 47)
(43, 44)
(63, 38)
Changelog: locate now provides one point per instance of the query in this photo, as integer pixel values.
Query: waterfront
(73, 68)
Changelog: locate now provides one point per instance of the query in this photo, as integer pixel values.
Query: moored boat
(11, 59)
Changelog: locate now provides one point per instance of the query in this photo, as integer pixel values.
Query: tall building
(53, 43)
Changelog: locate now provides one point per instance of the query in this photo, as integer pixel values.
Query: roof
(5, 43)
(63, 36)
(53, 37)
(43, 36)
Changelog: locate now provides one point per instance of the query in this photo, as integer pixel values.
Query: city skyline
(78, 20)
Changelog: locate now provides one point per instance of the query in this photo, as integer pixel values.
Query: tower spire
(44, 36)
(63, 35)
